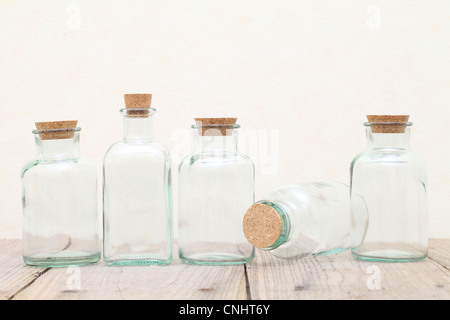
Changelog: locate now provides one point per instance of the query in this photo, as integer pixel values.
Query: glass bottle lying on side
(303, 219)
(60, 222)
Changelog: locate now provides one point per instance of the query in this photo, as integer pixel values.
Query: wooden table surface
(336, 276)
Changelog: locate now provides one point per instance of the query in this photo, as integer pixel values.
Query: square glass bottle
(215, 188)
(137, 200)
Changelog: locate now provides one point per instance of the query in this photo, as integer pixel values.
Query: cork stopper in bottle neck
(388, 123)
(216, 126)
(262, 225)
(138, 105)
(56, 130)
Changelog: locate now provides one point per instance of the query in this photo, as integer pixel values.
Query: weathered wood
(439, 251)
(176, 281)
(14, 274)
(342, 277)
(327, 277)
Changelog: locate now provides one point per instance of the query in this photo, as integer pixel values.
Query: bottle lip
(218, 126)
(388, 127)
(371, 124)
(137, 112)
(216, 130)
(56, 131)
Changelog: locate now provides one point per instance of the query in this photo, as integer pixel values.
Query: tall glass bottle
(302, 220)
(392, 180)
(59, 198)
(137, 204)
(215, 187)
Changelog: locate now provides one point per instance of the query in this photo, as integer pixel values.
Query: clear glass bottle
(391, 178)
(215, 187)
(59, 198)
(301, 220)
(137, 201)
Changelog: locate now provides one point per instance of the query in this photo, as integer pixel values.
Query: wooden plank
(328, 277)
(175, 281)
(439, 251)
(342, 277)
(14, 274)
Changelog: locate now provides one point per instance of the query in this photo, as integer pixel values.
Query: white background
(300, 75)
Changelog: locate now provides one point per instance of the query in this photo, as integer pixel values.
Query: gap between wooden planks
(327, 277)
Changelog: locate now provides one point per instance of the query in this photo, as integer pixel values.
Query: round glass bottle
(60, 222)
(391, 178)
(137, 203)
(301, 220)
(215, 187)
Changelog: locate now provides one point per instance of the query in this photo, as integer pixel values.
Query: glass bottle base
(137, 262)
(216, 259)
(393, 256)
(330, 252)
(61, 262)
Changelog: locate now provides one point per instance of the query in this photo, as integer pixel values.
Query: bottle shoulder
(147, 148)
(219, 159)
(389, 157)
(57, 166)
(28, 166)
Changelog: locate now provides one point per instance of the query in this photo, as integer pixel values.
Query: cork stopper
(262, 225)
(388, 123)
(56, 130)
(139, 104)
(216, 126)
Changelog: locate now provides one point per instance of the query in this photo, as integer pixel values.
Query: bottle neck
(388, 140)
(215, 144)
(60, 149)
(137, 128)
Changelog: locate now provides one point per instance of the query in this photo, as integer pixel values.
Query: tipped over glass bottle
(301, 220)
(137, 203)
(391, 178)
(215, 187)
(59, 198)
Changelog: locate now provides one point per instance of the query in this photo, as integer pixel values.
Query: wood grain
(439, 251)
(336, 276)
(342, 277)
(14, 274)
(176, 281)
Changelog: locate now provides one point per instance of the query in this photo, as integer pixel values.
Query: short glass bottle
(215, 187)
(301, 220)
(391, 178)
(137, 200)
(59, 198)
